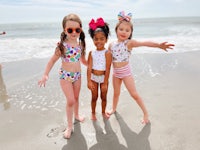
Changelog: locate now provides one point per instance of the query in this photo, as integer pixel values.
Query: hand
(165, 46)
(90, 85)
(42, 82)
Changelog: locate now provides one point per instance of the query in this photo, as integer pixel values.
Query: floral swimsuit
(72, 54)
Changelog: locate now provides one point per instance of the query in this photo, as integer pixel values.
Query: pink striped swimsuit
(120, 53)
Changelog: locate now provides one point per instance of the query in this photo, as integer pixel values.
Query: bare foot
(68, 132)
(93, 117)
(80, 118)
(105, 116)
(110, 112)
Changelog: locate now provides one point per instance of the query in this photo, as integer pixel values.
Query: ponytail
(82, 42)
(63, 36)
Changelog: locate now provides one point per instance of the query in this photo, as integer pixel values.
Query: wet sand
(34, 118)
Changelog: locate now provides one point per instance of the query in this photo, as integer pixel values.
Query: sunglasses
(71, 30)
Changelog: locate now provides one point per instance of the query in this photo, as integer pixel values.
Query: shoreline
(36, 118)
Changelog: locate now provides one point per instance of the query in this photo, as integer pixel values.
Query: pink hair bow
(99, 23)
(122, 16)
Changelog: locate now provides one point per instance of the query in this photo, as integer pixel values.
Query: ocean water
(38, 40)
(168, 82)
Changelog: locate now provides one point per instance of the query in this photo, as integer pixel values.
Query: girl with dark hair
(99, 62)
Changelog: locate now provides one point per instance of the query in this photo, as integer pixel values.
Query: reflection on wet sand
(3, 92)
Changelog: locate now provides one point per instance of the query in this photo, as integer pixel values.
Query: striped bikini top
(72, 54)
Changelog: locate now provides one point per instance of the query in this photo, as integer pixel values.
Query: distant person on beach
(2, 33)
(71, 50)
(99, 62)
(121, 50)
(3, 92)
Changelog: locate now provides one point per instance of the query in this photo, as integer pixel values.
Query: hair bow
(122, 16)
(99, 23)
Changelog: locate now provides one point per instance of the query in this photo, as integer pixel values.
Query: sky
(12, 11)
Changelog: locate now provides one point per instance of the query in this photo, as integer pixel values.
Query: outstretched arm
(164, 45)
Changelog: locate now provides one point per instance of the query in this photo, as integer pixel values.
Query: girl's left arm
(164, 45)
(83, 60)
(108, 56)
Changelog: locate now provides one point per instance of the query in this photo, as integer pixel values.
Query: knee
(70, 102)
(94, 97)
(104, 100)
(135, 96)
(76, 99)
(103, 96)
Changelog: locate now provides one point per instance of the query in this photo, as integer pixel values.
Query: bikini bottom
(69, 76)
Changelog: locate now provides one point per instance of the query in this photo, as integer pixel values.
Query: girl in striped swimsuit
(121, 50)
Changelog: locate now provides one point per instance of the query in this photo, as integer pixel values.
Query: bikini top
(72, 54)
(99, 59)
(120, 52)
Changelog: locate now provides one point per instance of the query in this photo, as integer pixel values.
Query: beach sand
(34, 118)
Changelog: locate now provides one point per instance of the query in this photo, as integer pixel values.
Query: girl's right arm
(49, 66)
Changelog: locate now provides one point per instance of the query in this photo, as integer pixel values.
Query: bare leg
(130, 85)
(70, 101)
(104, 91)
(116, 86)
(76, 87)
(94, 93)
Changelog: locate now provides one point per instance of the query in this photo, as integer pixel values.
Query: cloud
(55, 10)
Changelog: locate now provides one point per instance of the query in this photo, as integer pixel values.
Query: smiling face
(99, 40)
(73, 27)
(124, 31)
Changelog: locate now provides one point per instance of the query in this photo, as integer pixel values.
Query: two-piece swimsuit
(99, 64)
(72, 54)
(120, 53)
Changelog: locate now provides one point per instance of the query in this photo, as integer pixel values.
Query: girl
(99, 62)
(121, 50)
(71, 50)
